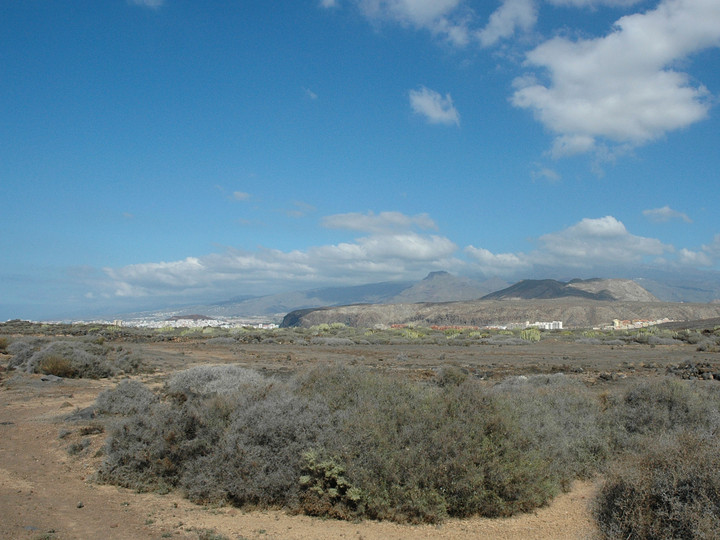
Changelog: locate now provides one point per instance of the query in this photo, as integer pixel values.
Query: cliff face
(572, 312)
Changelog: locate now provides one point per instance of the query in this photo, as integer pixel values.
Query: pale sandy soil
(47, 493)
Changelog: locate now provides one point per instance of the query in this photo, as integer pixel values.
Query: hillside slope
(573, 312)
(589, 289)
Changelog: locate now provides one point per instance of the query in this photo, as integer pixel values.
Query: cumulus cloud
(434, 107)
(498, 264)
(511, 15)
(391, 250)
(394, 247)
(621, 87)
(694, 258)
(590, 243)
(448, 19)
(661, 215)
(602, 241)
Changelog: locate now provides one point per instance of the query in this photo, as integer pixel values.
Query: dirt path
(45, 492)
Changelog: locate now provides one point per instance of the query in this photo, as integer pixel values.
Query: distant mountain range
(435, 287)
(577, 303)
(445, 287)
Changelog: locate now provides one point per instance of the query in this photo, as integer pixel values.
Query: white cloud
(240, 195)
(421, 13)
(661, 215)
(328, 3)
(434, 107)
(384, 222)
(694, 258)
(300, 209)
(603, 241)
(154, 4)
(392, 249)
(550, 175)
(713, 248)
(593, 3)
(498, 264)
(590, 243)
(622, 87)
(446, 18)
(511, 15)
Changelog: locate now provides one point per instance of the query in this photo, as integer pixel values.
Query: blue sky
(155, 152)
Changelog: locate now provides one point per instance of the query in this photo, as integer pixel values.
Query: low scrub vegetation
(87, 358)
(669, 490)
(348, 442)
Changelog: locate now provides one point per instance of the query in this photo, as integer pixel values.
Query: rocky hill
(624, 290)
(573, 312)
(445, 287)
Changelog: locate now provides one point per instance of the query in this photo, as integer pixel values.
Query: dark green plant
(325, 491)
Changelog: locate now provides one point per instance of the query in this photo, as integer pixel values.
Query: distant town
(262, 323)
(188, 321)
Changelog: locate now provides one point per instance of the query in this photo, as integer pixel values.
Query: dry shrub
(670, 490)
(660, 406)
(58, 366)
(349, 442)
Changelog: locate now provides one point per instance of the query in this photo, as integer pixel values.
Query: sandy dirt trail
(45, 492)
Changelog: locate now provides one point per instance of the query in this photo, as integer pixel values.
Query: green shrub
(451, 375)
(530, 334)
(4, 344)
(421, 453)
(325, 491)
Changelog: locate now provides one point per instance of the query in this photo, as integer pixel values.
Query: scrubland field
(332, 432)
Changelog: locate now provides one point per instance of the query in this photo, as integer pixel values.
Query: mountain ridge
(588, 289)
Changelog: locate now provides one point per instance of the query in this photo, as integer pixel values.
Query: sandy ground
(45, 492)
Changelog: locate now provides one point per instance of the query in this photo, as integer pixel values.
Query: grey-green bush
(670, 490)
(660, 406)
(127, 398)
(393, 448)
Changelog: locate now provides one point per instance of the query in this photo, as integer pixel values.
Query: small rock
(80, 504)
